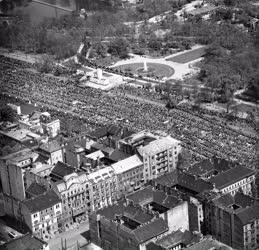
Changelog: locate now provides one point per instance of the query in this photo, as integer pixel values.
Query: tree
(45, 64)
(119, 47)
(7, 113)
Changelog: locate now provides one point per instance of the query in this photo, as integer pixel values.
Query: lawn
(188, 56)
(159, 70)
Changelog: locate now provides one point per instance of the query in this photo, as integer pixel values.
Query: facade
(129, 174)
(12, 168)
(102, 188)
(42, 214)
(52, 150)
(232, 220)
(73, 190)
(234, 179)
(50, 126)
(159, 157)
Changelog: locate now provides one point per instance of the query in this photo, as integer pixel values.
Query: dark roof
(42, 159)
(61, 169)
(210, 166)
(129, 211)
(154, 246)
(184, 180)
(27, 109)
(24, 242)
(150, 230)
(168, 180)
(231, 176)
(201, 168)
(176, 238)
(249, 214)
(137, 214)
(35, 189)
(148, 195)
(41, 202)
(118, 155)
(98, 133)
(206, 243)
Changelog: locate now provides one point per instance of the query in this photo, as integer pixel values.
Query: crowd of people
(201, 136)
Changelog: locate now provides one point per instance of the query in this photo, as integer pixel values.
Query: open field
(188, 56)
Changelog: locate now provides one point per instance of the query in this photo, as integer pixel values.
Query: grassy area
(157, 69)
(188, 56)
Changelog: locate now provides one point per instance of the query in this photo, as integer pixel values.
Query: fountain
(145, 66)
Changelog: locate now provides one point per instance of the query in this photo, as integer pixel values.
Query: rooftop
(231, 176)
(158, 145)
(127, 164)
(41, 202)
(176, 238)
(249, 214)
(118, 155)
(35, 189)
(184, 180)
(95, 155)
(21, 155)
(206, 244)
(209, 166)
(61, 169)
(50, 146)
(24, 242)
(101, 174)
(150, 230)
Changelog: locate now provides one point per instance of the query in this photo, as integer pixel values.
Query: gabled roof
(150, 230)
(231, 176)
(24, 242)
(41, 202)
(61, 169)
(127, 164)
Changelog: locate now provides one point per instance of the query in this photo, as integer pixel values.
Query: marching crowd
(203, 137)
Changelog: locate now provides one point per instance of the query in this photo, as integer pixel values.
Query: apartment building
(234, 179)
(159, 157)
(102, 188)
(129, 174)
(73, 190)
(42, 214)
(12, 170)
(232, 220)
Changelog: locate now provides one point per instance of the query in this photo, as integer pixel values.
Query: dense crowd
(203, 137)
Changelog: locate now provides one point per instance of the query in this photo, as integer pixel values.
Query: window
(35, 215)
(57, 206)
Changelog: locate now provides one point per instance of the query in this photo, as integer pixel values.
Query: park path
(181, 69)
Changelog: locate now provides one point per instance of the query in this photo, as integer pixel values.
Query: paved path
(181, 69)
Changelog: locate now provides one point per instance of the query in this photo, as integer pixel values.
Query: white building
(159, 157)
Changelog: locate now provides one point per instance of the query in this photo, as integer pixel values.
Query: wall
(178, 217)
(111, 235)
(56, 156)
